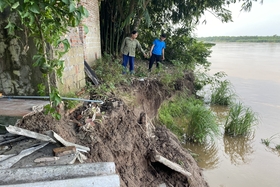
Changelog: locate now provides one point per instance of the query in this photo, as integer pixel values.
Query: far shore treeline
(271, 39)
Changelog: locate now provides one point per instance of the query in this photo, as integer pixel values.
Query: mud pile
(125, 134)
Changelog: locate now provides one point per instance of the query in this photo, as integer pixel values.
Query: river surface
(254, 71)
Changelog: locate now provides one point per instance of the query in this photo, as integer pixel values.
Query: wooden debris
(90, 73)
(61, 151)
(45, 159)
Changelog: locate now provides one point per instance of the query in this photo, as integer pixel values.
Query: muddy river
(254, 71)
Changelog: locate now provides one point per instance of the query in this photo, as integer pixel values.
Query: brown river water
(254, 71)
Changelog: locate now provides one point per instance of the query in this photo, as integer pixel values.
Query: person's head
(134, 34)
(162, 37)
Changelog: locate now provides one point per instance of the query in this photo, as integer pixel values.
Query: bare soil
(127, 136)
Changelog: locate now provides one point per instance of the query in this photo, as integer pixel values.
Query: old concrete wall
(19, 77)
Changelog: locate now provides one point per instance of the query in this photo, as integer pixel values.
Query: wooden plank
(90, 73)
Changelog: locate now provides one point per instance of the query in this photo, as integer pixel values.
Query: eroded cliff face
(17, 74)
(127, 135)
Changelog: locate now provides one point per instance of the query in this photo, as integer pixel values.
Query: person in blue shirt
(157, 51)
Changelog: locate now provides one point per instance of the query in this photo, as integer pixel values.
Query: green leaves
(14, 6)
(3, 5)
(67, 2)
(34, 8)
(11, 28)
(47, 22)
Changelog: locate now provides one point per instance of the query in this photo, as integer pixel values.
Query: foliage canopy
(119, 17)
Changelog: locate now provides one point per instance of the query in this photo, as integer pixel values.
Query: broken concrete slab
(7, 136)
(12, 140)
(170, 164)
(55, 136)
(4, 157)
(28, 133)
(96, 181)
(17, 146)
(49, 173)
(12, 160)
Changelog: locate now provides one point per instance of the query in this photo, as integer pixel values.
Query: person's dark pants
(126, 59)
(154, 58)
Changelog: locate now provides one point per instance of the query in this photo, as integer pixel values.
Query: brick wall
(83, 47)
(92, 39)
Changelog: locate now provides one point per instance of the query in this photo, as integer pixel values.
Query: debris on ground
(19, 143)
(120, 131)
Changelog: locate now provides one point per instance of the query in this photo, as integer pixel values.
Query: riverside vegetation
(270, 39)
(187, 116)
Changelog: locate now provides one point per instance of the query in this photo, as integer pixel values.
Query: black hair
(134, 32)
(163, 35)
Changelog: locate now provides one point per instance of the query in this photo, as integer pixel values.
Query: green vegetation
(240, 120)
(189, 119)
(267, 141)
(223, 94)
(150, 18)
(70, 104)
(46, 23)
(271, 39)
(109, 72)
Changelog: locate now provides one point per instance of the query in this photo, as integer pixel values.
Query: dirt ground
(126, 135)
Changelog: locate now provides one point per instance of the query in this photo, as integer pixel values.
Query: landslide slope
(127, 135)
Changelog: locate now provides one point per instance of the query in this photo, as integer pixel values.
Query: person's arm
(152, 49)
(140, 47)
(122, 46)
(162, 53)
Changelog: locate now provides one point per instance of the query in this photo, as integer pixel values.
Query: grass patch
(222, 94)
(189, 119)
(168, 74)
(239, 120)
(267, 141)
(109, 72)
